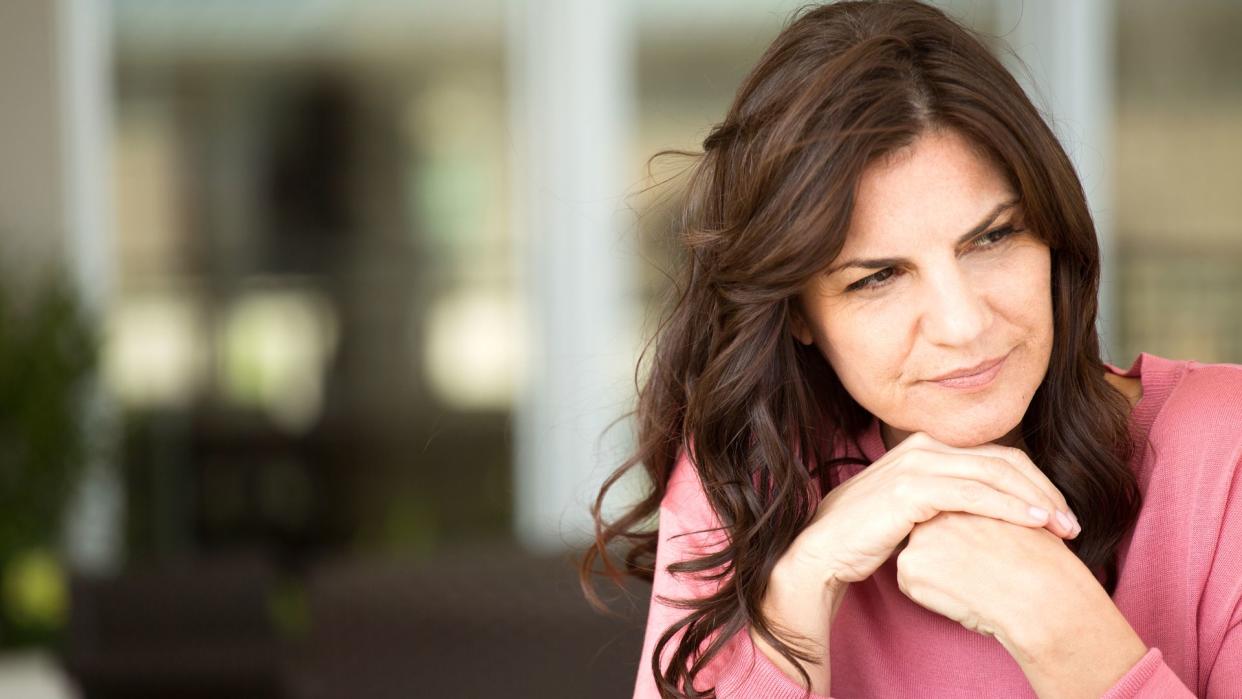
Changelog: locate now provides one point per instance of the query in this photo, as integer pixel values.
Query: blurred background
(318, 316)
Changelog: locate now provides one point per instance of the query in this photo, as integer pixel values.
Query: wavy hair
(767, 205)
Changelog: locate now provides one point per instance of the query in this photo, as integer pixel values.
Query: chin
(957, 440)
(964, 435)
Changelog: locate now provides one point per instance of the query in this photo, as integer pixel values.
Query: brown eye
(995, 236)
(873, 281)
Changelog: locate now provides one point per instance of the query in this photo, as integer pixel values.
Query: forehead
(939, 185)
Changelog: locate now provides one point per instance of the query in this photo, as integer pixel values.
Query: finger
(991, 472)
(926, 496)
(1017, 457)
(1019, 461)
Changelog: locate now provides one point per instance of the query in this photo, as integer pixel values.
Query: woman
(887, 457)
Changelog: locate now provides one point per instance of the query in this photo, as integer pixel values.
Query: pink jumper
(1179, 572)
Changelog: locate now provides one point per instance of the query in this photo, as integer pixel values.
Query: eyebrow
(882, 262)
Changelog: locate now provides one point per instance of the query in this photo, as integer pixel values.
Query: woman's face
(950, 278)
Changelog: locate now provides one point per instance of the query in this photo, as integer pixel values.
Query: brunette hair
(767, 205)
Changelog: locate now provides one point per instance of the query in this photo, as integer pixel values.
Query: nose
(955, 313)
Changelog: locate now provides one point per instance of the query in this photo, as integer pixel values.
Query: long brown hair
(767, 205)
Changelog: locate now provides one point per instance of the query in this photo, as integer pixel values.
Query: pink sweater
(1179, 585)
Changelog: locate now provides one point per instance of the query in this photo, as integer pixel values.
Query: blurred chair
(485, 621)
(187, 629)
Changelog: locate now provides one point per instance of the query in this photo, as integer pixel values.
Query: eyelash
(874, 282)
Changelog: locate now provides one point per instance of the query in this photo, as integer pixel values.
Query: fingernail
(1066, 523)
(1077, 526)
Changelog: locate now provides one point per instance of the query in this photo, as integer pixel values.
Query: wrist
(1083, 643)
(1086, 657)
(801, 579)
(798, 571)
(1081, 603)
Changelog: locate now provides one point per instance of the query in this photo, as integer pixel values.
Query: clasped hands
(981, 546)
(991, 576)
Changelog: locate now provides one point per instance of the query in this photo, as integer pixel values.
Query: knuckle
(913, 442)
(971, 492)
(922, 439)
(913, 458)
(904, 488)
(904, 558)
(923, 460)
(906, 573)
(994, 469)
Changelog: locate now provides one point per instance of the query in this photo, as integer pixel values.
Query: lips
(972, 370)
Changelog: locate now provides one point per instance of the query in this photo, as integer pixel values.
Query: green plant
(48, 358)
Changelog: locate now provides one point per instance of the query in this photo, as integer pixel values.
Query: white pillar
(93, 523)
(570, 97)
(1068, 47)
(85, 79)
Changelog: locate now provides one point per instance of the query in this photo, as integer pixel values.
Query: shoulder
(685, 498)
(684, 487)
(1194, 448)
(688, 526)
(1204, 460)
(1191, 460)
(1221, 380)
(1205, 405)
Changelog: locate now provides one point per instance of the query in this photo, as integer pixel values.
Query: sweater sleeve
(1150, 678)
(740, 669)
(1220, 608)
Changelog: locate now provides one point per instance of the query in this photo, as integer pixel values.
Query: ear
(798, 326)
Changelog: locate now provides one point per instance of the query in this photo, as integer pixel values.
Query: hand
(990, 576)
(859, 524)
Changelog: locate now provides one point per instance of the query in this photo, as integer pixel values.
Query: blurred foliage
(34, 590)
(289, 608)
(48, 358)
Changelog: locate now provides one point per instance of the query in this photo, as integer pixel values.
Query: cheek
(1024, 288)
(864, 349)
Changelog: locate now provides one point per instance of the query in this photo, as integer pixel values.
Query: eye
(872, 281)
(994, 236)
